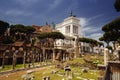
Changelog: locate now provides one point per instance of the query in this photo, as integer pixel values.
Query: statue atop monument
(71, 14)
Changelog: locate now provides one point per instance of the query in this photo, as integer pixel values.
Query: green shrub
(109, 47)
(7, 40)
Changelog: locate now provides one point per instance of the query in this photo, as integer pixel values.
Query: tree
(111, 32)
(3, 27)
(100, 43)
(20, 30)
(83, 40)
(29, 30)
(118, 41)
(7, 40)
(106, 38)
(56, 35)
(92, 42)
(52, 35)
(43, 35)
(16, 30)
(109, 47)
(117, 5)
(109, 37)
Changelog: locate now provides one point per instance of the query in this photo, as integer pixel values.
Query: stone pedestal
(76, 54)
(119, 53)
(106, 52)
(53, 57)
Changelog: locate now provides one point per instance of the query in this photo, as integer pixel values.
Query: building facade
(71, 29)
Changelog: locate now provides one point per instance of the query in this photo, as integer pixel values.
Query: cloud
(26, 2)
(54, 4)
(89, 29)
(87, 21)
(15, 12)
(95, 36)
(92, 32)
(83, 22)
(95, 17)
(87, 26)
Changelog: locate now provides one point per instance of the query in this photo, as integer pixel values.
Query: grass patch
(76, 65)
(76, 71)
(47, 71)
(20, 66)
(6, 68)
(79, 74)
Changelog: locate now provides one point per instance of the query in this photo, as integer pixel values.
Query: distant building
(38, 30)
(71, 29)
(41, 29)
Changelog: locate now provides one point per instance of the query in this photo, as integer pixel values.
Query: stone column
(64, 56)
(43, 54)
(53, 57)
(14, 61)
(33, 56)
(71, 29)
(119, 52)
(24, 59)
(105, 56)
(58, 55)
(3, 61)
(76, 47)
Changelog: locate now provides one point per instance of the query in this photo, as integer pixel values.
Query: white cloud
(91, 32)
(95, 36)
(86, 25)
(95, 17)
(83, 21)
(89, 28)
(87, 21)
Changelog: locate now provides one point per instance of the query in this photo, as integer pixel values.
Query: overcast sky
(92, 13)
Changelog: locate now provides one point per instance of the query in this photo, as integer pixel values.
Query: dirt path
(15, 75)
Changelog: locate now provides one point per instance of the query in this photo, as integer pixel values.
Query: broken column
(105, 56)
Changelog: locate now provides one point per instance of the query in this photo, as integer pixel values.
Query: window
(67, 29)
(75, 29)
